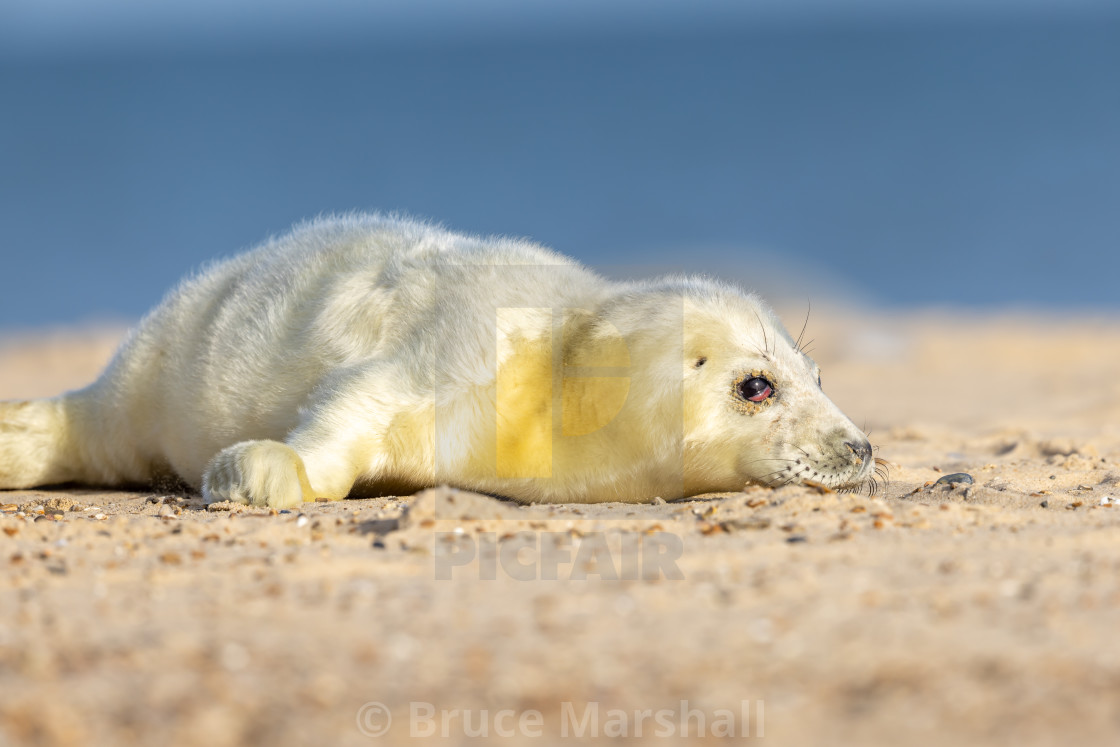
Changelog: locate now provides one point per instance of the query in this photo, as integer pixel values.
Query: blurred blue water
(974, 164)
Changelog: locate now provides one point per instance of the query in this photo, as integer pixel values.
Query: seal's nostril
(861, 449)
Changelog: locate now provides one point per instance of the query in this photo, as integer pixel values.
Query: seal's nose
(861, 449)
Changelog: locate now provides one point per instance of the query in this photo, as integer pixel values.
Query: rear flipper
(36, 444)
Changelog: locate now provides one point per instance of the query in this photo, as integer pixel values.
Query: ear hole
(701, 361)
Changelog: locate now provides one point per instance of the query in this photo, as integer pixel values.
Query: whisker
(765, 337)
(798, 447)
(773, 482)
(804, 326)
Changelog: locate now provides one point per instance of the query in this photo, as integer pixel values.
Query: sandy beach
(982, 613)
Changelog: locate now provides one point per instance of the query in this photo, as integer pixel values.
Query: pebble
(957, 478)
(797, 538)
(1107, 500)
(753, 522)
(302, 521)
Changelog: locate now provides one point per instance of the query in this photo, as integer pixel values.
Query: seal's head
(754, 408)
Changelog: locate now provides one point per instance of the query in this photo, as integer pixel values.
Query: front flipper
(259, 473)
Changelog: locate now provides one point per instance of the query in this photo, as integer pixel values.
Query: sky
(57, 26)
(910, 152)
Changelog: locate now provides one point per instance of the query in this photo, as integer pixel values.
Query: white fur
(374, 353)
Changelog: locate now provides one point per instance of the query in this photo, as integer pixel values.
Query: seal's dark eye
(755, 389)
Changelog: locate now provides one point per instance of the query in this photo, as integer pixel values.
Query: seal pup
(367, 354)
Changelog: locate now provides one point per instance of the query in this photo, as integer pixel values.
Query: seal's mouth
(873, 482)
(860, 471)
